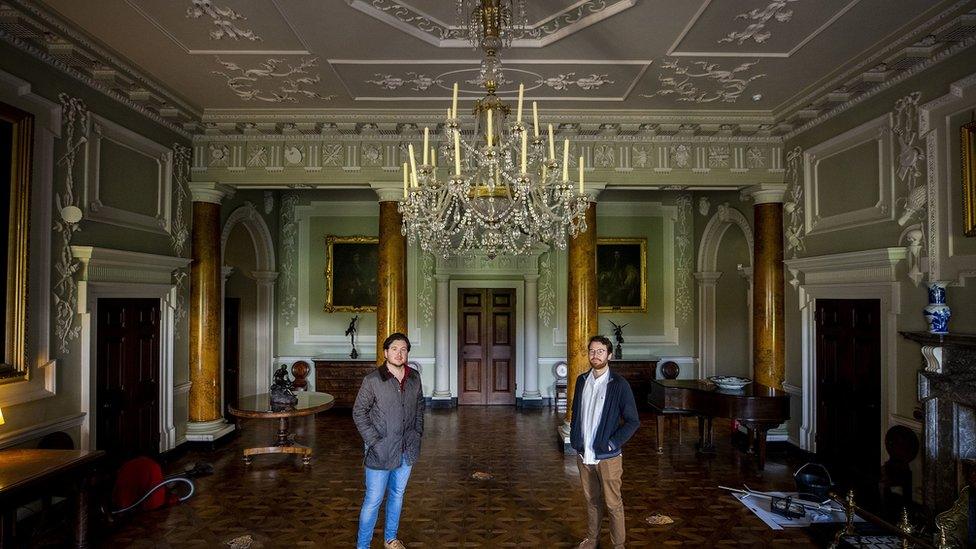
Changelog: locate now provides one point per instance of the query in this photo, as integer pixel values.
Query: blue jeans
(378, 481)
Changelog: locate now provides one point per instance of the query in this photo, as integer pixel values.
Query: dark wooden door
(127, 392)
(487, 346)
(849, 391)
(232, 351)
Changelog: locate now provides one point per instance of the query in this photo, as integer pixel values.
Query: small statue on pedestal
(351, 332)
(282, 397)
(618, 336)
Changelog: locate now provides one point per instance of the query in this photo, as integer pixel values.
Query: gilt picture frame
(621, 275)
(16, 154)
(967, 143)
(351, 273)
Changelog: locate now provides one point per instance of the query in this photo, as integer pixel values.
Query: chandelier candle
(490, 130)
(525, 150)
(565, 160)
(518, 111)
(426, 144)
(404, 180)
(457, 153)
(535, 120)
(413, 164)
(552, 146)
(581, 175)
(454, 102)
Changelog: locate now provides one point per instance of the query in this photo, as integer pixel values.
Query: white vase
(937, 313)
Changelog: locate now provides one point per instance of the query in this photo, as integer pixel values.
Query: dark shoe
(587, 543)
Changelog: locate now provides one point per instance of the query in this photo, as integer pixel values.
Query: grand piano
(757, 407)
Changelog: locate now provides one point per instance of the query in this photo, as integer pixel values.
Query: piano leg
(705, 443)
(761, 442)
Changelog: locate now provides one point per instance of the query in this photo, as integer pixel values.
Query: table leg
(761, 440)
(282, 432)
(81, 515)
(660, 432)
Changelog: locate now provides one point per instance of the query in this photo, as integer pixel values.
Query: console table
(640, 374)
(341, 378)
(259, 406)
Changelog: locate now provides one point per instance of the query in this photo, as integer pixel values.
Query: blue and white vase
(937, 313)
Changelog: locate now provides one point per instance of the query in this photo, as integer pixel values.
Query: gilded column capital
(593, 190)
(765, 193)
(209, 191)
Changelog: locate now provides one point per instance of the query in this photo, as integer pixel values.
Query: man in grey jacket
(389, 414)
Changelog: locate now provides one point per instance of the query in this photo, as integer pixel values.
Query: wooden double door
(487, 346)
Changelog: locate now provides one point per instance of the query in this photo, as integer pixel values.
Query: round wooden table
(259, 406)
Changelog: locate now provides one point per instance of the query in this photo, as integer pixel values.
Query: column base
(208, 431)
(562, 438)
(442, 402)
(531, 402)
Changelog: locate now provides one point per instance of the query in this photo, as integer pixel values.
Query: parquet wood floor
(531, 500)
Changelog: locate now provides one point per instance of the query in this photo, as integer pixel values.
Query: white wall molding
(858, 275)
(42, 374)
(942, 227)
(144, 276)
(876, 131)
(36, 431)
(915, 425)
(95, 210)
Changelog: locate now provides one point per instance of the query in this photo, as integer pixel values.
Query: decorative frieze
(289, 260)
(683, 257)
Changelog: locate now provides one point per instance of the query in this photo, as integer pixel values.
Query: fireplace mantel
(947, 390)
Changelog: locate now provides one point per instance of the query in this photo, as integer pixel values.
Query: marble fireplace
(947, 393)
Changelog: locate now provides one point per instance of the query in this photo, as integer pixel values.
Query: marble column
(531, 397)
(581, 303)
(391, 307)
(206, 421)
(442, 340)
(768, 315)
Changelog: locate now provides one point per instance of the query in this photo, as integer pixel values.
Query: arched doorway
(725, 293)
(249, 275)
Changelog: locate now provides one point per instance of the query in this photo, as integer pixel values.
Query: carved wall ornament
(224, 20)
(75, 120)
(704, 205)
(418, 82)
(269, 201)
(718, 156)
(563, 82)
(704, 84)
(793, 208)
(755, 158)
(603, 156)
(913, 238)
(372, 154)
(640, 157)
(910, 158)
(683, 260)
(332, 154)
(756, 31)
(181, 191)
(425, 295)
(294, 154)
(547, 288)
(289, 260)
(283, 81)
(257, 156)
(680, 156)
(218, 154)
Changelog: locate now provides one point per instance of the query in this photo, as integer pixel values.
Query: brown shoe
(394, 544)
(587, 543)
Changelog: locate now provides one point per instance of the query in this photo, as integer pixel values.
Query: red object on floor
(136, 477)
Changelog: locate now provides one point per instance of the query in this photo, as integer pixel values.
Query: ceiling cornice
(46, 37)
(928, 44)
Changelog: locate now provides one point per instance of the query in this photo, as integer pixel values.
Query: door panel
(487, 330)
(849, 391)
(127, 383)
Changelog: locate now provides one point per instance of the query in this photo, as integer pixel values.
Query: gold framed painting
(16, 148)
(621, 275)
(968, 145)
(351, 273)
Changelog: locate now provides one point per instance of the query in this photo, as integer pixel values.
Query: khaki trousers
(601, 487)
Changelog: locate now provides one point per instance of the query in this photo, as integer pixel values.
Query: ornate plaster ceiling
(760, 63)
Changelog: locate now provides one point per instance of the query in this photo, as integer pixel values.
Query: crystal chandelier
(505, 191)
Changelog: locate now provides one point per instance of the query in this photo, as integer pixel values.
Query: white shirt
(594, 393)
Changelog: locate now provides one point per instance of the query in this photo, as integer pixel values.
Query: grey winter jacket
(390, 421)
